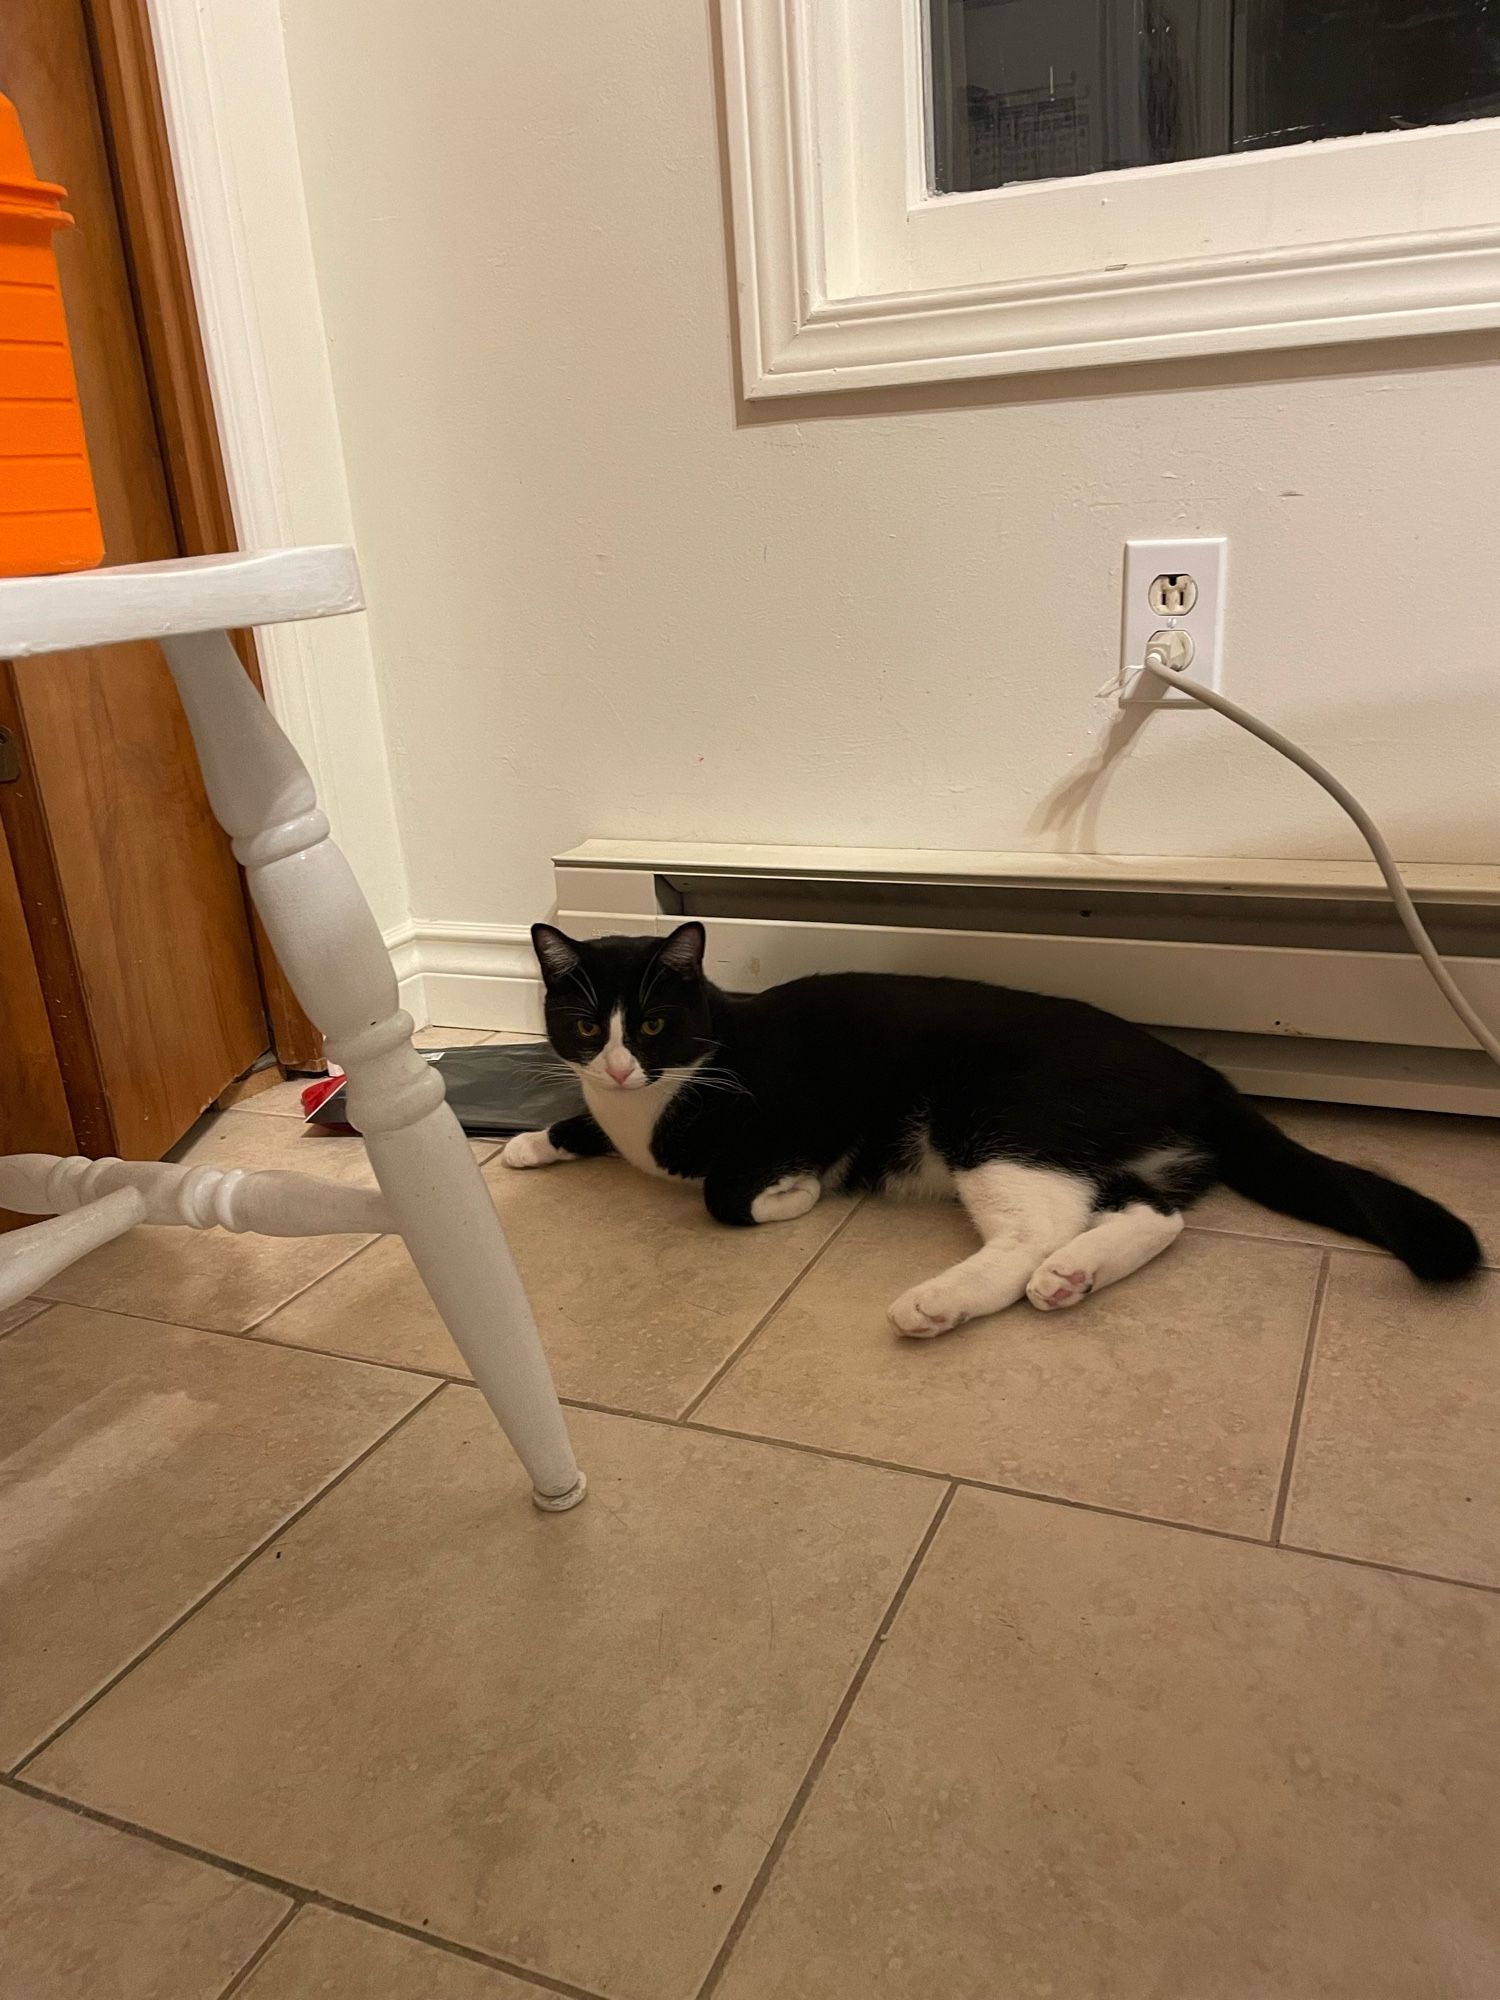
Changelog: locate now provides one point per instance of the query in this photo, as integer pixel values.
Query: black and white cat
(1074, 1140)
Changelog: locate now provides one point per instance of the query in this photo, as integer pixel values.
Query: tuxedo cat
(1074, 1140)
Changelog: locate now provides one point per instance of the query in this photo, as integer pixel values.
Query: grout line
(1351, 1244)
(1389, 1569)
(1014, 1492)
(410, 1368)
(823, 1752)
(261, 1951)
(192, 1326)
(303, 1896)
(769, 1314)
(97, 1816)
(979, 1485)
(1346, 1246)
(619, 1410)
(302, 1290)
(41, 1307)
(906, 1470)
(281, 1528)
(1314, 1317)
(259, 1339)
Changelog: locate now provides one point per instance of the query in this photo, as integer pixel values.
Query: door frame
(177, 375)
(225, 98)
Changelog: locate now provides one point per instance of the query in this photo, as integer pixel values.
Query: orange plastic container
(48, 516)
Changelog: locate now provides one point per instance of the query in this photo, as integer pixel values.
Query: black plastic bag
(495, 1089)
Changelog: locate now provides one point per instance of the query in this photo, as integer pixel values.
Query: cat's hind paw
(1051, 1289)
(926, 1311)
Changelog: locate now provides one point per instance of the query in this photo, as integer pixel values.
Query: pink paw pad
(941, 1322)
(1052, 1289)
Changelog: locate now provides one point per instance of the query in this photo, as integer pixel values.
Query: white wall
(607, 601)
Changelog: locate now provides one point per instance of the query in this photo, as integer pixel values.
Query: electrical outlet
(1174, 595)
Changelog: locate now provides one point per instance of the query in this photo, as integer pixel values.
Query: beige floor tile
(639, 1295)
(1400, 1433)
(324, 1956)
(1455, 1160)
(1170, 1393)
(281, 1100)
(284, 1100)
(1098, 1758)
(138, 1463)
(210, 1278)
(565, 1739)
(87, 1913)
(17, 1315)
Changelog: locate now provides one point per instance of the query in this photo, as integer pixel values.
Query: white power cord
(1374, 839)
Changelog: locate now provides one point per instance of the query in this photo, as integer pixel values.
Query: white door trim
(228, 105)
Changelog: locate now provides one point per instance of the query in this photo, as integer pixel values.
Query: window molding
(830, 219)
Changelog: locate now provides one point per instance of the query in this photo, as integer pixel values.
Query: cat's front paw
(928, 1310)
(532, 1149)
(786, 1199)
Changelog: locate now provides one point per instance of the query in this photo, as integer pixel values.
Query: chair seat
(160, 600)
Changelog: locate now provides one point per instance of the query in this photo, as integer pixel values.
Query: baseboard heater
(1292, 976)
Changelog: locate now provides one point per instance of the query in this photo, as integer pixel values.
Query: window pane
(1027, 90)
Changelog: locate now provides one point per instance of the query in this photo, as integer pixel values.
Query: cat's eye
(654, 1026)
(588, 1031)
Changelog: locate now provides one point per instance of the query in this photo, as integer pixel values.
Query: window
(1028, 90)
(938, 188)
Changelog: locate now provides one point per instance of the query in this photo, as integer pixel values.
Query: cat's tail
(1258, 1159)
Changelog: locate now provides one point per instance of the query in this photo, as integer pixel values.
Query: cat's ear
(556, 952)
(682, 952)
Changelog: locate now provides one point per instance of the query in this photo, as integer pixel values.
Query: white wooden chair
(430, 1189)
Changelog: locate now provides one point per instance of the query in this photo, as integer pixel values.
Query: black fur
(849, 1075)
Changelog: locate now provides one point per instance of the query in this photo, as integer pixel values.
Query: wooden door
(133, 904)
(33, 1104)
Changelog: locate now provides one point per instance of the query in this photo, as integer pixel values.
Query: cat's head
(622, 1010)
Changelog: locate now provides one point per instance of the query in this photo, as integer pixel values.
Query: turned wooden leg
(331, 950)
(32, 1257)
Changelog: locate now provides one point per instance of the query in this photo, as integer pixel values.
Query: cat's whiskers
(559, 1072)
(724, 1080)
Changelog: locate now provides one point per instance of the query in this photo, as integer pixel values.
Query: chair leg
(444, 1211)
(331, 950)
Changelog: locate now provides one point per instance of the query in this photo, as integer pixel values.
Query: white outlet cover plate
(1205, 558)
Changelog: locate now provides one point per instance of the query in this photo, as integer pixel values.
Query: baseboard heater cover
(1293, 976)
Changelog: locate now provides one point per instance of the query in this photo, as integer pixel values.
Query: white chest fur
(629, 1117)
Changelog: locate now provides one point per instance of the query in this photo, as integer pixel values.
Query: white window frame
(851, 273)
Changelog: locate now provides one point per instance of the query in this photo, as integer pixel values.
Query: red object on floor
(319, 1093)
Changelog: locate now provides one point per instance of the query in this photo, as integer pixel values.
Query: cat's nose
(619, 1066)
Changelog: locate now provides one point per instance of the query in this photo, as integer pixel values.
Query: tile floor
(1149, 1651)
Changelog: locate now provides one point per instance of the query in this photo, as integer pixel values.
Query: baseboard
(406, 963)
(467, 975)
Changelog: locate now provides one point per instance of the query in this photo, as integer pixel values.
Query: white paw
(1051, 1289)
(928, 1310)
(786, 1199)
(532, 1149)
